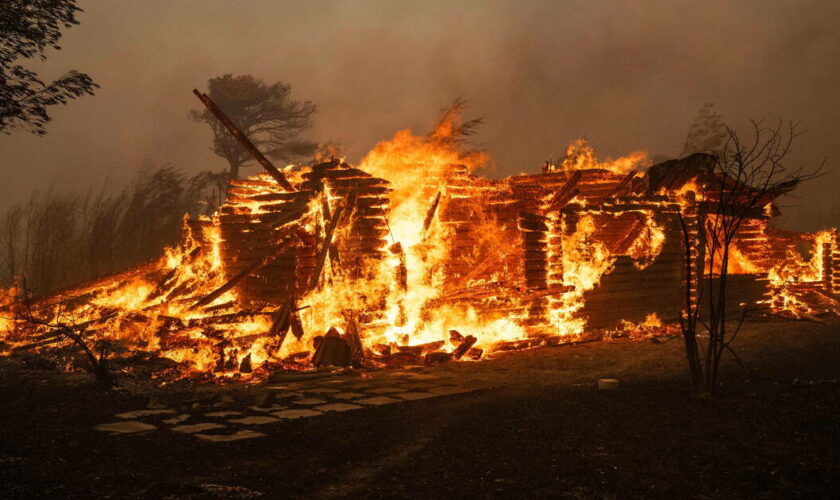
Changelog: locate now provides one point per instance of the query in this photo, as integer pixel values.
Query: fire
(791, 291)
(419, 169)
(581, 155)
(408, 253)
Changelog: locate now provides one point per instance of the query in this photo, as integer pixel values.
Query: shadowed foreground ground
(538, 428)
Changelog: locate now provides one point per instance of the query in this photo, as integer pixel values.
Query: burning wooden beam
(256, 266)
(565, 194)
(244, 141)
(328, 237)
(621, 185)
(430, 214)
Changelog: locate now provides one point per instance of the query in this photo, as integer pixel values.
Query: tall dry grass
(57, 239)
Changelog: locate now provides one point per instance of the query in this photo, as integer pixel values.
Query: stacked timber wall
(250, 220)
(630, 293)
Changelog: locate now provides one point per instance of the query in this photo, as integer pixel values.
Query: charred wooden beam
(354, 340)
(621, 185)
(465, 346)
(244, 141)
(565, 194)
(430, 214)
(340, 212)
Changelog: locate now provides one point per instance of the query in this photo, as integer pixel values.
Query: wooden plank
(256, 266)
(244, 141)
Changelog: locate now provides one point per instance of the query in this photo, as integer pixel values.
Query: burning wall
(411, 253)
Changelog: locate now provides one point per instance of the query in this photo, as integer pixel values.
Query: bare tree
(740, 184)
(60, 327)
(265, 113)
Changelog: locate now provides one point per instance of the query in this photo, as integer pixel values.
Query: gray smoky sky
(627, 75)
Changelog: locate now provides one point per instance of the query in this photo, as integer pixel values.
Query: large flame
(408, 296)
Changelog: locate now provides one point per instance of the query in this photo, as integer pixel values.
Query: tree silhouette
(27, 30)
(707, 133)
(265, 113)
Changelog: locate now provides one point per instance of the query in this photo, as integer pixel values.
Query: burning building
(410, 255)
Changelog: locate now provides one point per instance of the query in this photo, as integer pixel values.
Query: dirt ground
(537, 427)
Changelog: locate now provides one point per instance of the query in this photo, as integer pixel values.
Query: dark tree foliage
(27, 29)
(266, 114)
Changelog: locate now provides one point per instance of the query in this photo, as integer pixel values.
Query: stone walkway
(292, 400)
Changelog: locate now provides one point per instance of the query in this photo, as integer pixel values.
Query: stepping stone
(378, 400)
(337, 407)
(348, 395)
(143, 413)
(359, 387)
(277, 387)
(296, 413)
(411, 396)
(236, 436)
(267, 410)
(223, 414)
(309, 401)
(384, 390)
(336, 381)
(128, 427)
(448, 389)
(287, 395)
(418, 385)
(190, 429)
(258, 420)
(421, 376)
(322, 390)
(177, 420)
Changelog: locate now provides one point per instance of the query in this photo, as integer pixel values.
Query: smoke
(625, 75)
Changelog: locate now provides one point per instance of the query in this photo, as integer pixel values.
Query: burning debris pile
(411, 257)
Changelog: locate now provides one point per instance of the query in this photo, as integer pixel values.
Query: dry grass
(58, 239)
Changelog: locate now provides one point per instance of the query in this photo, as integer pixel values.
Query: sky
(626, 75)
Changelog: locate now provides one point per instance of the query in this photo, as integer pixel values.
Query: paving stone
(256, 420)
(359, 387)
(143, 413)
(411, 396)
(309, 401)
(277, 387)
(321, 390)
(236, 436)
(302, 413)
(337, 407)
(269, 409)
(421, 376)
(177, 420)
(448, 389)
(419, 385)
(193, 428)
(348, 395)
(127, 427)
(378, 400)
(384, 390)
(222, 414)
(288, 395)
